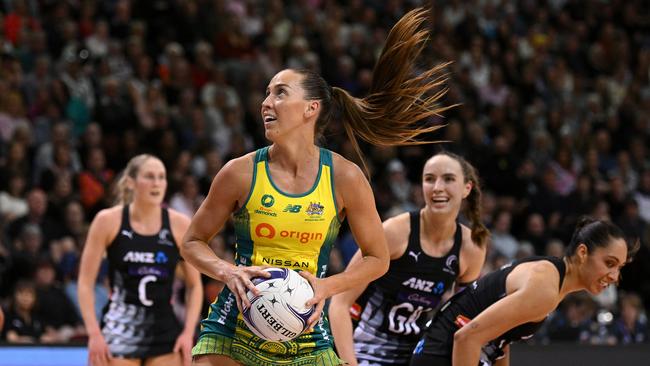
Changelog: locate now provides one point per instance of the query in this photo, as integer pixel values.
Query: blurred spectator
(400, 187)
(631, 325)
(94, 182)
(573, 322)
(189, 198)
(535, 232)
(61, 165)
(60, 135)
(555, 248)
(22, 324)
(502, 242)
(15, 163)
(36, 215)
(642, 195)
(58, 316)
(12, 201)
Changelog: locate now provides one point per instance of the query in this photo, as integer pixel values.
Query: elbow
(464, 338)
(461, 337)
(185, 247)
(336, 304)
(382, 266)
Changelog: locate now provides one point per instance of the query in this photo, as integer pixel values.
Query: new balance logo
(128, 234)
(415, 256)
(292, 208)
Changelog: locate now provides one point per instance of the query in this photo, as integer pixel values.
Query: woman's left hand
(321, 294)
(184, 346)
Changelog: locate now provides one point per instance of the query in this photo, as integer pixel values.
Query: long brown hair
(472, 208)
(397, 103)
(123, 194)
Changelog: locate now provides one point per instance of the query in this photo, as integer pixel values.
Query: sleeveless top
(138, 321)
(281, 229)
(393, 310)
(470, 302)
(141, 267)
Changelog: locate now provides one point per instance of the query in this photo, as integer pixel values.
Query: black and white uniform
(393, 310)
(436, 347)
(138, 321)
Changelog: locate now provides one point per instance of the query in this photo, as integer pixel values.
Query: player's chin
(596, 289)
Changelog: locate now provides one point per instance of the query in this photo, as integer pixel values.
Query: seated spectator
(37, 209)
(25, 251)
(573, 321)
(188, 199)
(94, 182)
(22, 324)
(12, 201)
(54, 308)
(555, 248)
(502, 241)
(631, 325)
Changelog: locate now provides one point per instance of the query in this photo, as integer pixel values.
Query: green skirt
(263, 353)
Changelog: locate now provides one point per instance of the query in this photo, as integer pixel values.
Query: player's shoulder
(397, 230)
(238, 169)
(109, 215)
(241, 162)
(345, 171)
(398, 223)
(542, 274)
(107, 222)
(177, 218)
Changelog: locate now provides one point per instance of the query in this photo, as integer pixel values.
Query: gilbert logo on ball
(279, 313)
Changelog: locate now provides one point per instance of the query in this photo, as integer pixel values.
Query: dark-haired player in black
(430, 251)
(476, 325)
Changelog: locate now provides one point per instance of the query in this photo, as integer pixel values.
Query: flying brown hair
(392, 113)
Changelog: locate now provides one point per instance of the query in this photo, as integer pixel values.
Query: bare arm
(209, 219)
(98, 238)
(192, 277)
(366, 227)
(365, 224)
(226, 192)
(340, 321)
(193, 302)
(102, 229)
(532, 300)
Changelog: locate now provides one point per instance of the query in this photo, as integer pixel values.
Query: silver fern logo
(450, 263)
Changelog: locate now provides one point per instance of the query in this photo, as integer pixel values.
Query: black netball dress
(436, 346)
(138, 321)
(393, 310)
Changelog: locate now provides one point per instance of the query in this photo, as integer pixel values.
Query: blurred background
(554, 112)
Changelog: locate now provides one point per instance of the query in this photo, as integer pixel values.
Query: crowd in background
(554, 111)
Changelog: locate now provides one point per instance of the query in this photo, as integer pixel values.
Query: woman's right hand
(239, 282)
(98, 353)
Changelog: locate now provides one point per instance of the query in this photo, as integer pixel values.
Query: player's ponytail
(400, 99)
(598, 234)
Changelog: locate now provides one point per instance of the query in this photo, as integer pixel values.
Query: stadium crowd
(554, 111)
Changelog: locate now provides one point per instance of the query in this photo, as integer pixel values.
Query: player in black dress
(476, 325)
(141, 241)
(430, 251)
